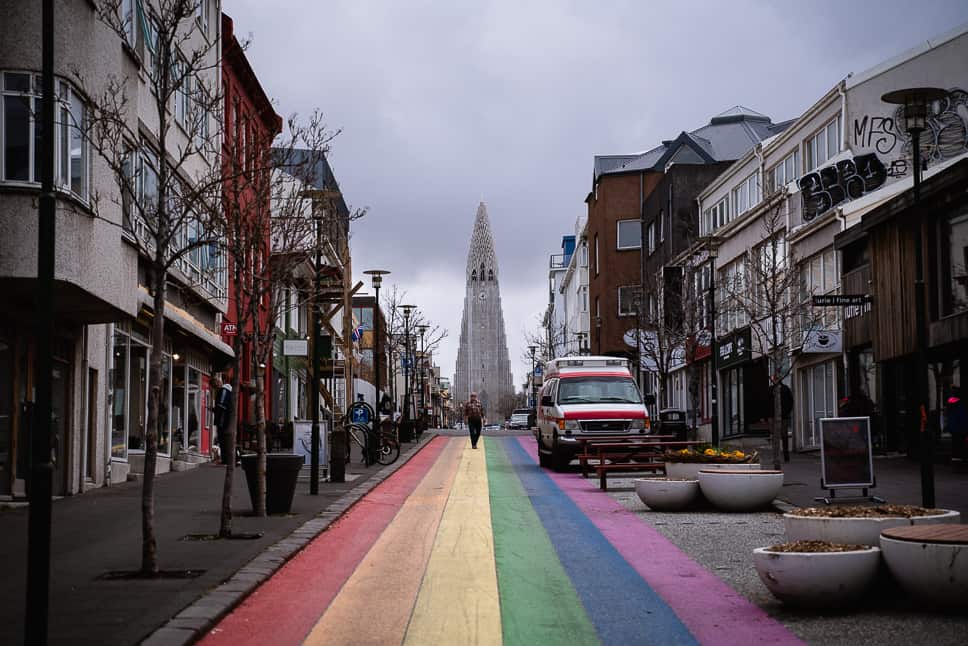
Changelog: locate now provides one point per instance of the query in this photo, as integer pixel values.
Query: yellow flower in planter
(709, 452)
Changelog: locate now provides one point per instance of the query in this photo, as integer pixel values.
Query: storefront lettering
(848, 179)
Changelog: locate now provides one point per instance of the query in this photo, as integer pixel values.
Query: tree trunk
(777, 426)
(260, 425)
(149, 552)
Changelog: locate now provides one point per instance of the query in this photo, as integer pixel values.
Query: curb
(194, 621)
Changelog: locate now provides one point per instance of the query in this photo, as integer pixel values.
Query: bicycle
(389, 448)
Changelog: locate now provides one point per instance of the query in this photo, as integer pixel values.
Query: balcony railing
(559, 261)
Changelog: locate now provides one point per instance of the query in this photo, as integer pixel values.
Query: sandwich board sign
(846, 456)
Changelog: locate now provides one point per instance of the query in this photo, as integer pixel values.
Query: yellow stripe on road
(458, 601)
(374, 605)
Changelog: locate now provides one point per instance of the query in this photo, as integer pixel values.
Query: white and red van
(583, 396)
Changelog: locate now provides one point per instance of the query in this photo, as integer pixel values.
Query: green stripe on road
(539, 605)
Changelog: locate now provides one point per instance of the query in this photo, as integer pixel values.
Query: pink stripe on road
(712, 611)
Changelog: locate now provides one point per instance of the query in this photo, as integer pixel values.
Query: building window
(746, 195)
(661, 227)
(955, 264)
(583, 258)
(651, 237)
(823, 145)
(784, 172)
(596, 254)
(715, 217)
(584, 298)
(629, 234)
(20, 134)
(627, 300)
(819, 275)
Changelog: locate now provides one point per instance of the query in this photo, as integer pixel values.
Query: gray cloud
(443, 102)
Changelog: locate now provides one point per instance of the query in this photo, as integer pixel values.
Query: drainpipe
(85, 414)
(108, 430)
(841, 89)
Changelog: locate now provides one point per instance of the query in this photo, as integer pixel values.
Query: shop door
(59, 425)
(818, 391)
(6, 415)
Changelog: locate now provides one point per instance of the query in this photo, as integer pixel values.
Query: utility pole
(41, 469)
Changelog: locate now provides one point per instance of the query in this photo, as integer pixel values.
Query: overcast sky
(441, 103)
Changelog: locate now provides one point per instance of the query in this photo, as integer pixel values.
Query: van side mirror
(547, 401)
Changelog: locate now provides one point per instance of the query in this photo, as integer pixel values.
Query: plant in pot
(740, 489)
(687, 463)
(859, 524)
(817, 573)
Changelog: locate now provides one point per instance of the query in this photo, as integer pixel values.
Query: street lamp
(581, 341)
(407, 310)
(377, 276)
(534, 403)
(916, 101)
(712, 251)
(423, 404)
(598, 333)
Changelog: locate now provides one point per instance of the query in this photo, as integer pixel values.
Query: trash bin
(672, 421)
(282, 470)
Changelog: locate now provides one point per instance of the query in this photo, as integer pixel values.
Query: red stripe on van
(605, 414)
(570, 374)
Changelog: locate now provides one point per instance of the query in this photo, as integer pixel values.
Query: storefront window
(6, 412)
(194, 410)
(956, 265)
(733, 401)
(137, 396)
(818, 389)
(119, 442)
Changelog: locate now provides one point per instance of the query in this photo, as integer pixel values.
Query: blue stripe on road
(621, 605)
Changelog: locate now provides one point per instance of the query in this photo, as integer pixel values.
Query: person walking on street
(957, 424)
(474, 416)
(223, 407)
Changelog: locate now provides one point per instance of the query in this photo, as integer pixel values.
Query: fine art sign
(734, 349)
(846, 460)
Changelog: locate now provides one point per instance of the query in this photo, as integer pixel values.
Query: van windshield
(590, 390)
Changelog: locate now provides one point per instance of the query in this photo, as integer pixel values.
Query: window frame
(811, 160)
(619, 300)
(67, 98)
(618, 234)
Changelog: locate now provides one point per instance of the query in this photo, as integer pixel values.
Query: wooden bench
(947, 534)
(585, 451)
(632, 456)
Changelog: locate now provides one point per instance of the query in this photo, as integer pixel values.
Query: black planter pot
(282, 470)
(406, 431)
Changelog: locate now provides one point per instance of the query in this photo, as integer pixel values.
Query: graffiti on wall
(848, 179)
(945, 134)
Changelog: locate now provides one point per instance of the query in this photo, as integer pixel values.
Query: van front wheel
(560, 458)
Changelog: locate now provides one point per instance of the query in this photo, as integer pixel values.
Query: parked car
(492, 427)
(520, 419)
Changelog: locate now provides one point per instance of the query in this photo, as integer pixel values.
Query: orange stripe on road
(374, 605)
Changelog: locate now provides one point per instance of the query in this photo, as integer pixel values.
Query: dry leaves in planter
(815, 546)
(877, 511)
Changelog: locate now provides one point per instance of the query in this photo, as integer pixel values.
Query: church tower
(482, 358)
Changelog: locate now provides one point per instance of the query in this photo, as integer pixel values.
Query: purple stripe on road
(712, 611)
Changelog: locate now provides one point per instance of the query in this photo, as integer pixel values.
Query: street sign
(295, 347)
(840, 300)
(229, 329)
(537, 371)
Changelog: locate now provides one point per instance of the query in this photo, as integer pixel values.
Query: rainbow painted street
(465, 546)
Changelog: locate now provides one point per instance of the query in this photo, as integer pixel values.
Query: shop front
(743, 386)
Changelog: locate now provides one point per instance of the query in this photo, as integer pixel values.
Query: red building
(250, 125)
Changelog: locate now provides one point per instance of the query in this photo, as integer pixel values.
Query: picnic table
(632, 456)
(584, 442)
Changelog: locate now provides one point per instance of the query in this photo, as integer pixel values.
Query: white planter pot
(661, 494)
(740, 490)
(933, 572)
(853, 531)
(690, 470)
(817, 579)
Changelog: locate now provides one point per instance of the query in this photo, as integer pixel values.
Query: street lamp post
(405, 436)
(916, 101)
(314, 398)
(534, 403)
(712, 251)
(598, 333)
(377, 276)
(423, 386)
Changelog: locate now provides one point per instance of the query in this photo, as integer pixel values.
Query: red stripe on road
(286, 607)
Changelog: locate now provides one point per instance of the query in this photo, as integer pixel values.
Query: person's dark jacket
(223, 404)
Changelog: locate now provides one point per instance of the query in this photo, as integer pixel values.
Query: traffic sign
(537, 371)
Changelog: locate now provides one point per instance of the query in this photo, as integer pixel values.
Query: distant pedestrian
(957, 418)
(474, 416)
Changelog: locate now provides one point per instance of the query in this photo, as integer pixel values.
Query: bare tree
(550, 340)
(268, 227)
(764, 290)
(169, 182)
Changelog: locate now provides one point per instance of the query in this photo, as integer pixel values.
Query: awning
(188, 324)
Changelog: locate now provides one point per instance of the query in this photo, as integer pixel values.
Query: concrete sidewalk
(100, 531)
(898, 481)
